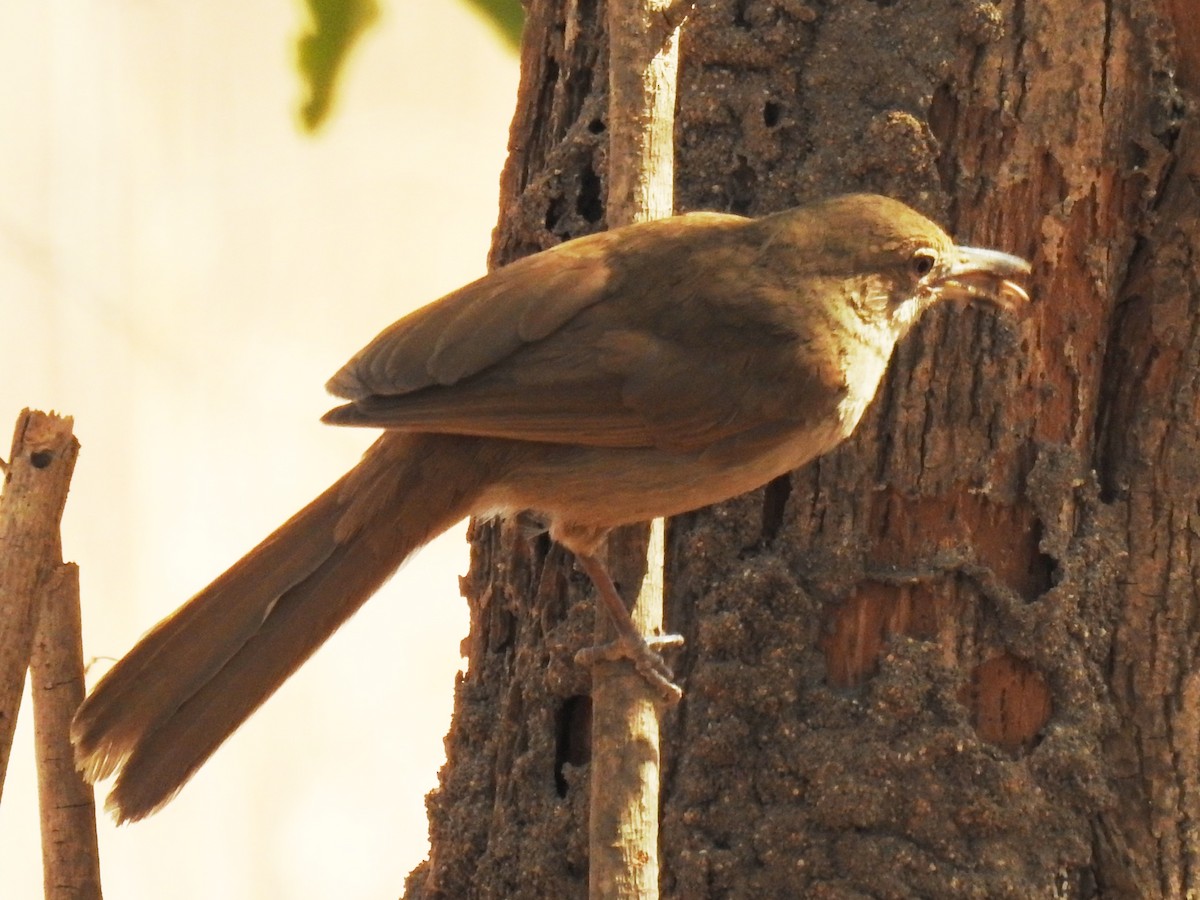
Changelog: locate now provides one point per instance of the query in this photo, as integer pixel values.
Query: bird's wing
(626, 355)
(487, 320)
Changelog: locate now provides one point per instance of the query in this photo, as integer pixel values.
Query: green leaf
(321, 51)
(506, 16)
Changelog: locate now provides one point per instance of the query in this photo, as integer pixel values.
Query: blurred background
(181, 269)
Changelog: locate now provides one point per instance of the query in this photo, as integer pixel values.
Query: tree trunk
(956, 657)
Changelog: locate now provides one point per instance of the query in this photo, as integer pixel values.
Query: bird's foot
(646, 656)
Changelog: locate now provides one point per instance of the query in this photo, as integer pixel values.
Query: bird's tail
(163, 709)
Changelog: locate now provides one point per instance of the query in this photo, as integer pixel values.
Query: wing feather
(574, 346)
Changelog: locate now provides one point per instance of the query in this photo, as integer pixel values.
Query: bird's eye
(922, 262)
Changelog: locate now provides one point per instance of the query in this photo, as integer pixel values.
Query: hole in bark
(577, 86)
(943, 120)
(585, 12)
(742, 182)
(739, 15)
(1138, 157)
(1041, 567)
(589, 204)
(573, 737)
(596, 126)
(41, 458)
(775, 497)
(771, 114)
(1129, 358)
(554, 213)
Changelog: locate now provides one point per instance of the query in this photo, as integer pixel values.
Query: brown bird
(636, 373)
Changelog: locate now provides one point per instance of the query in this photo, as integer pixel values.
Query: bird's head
(893, 263)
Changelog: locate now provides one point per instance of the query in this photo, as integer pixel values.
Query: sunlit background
(181, 270)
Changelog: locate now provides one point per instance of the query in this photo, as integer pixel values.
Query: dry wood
(623, 815)
(35, 492)
(624, 773)
(70, 857)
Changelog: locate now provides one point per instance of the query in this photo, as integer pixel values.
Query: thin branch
(35, 492)
(70, 857)
(623, 826)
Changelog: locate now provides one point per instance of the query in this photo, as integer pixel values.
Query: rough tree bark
(957, 657)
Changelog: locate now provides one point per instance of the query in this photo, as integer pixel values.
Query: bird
(629, 374)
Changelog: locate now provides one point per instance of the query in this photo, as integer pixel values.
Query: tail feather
(171, 662)
(166, 707)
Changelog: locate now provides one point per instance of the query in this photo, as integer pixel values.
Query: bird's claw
(646, 657)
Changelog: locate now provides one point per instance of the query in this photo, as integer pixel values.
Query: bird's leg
(642, 652)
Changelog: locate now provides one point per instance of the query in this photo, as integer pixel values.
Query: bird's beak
(977, 274)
